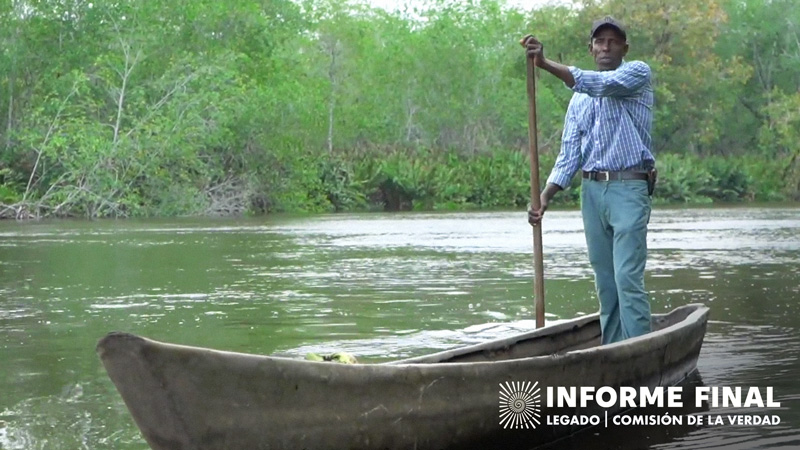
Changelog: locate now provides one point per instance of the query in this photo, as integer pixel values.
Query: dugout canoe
(191, 398)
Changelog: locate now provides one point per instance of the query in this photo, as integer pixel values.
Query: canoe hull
(193, 398)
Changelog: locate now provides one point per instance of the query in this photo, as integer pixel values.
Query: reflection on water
(381, 286)
(401, 344)
(67, 420)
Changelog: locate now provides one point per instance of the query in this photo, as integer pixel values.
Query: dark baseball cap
(608, 21)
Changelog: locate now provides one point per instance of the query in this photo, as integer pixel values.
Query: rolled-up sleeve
(569, 158)
(628, 79)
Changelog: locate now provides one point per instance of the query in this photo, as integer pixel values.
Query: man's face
(608, 48)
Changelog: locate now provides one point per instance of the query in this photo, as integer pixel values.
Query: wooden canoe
(189, 398)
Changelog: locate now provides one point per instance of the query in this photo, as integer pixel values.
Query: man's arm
(567, 163)
(535, 50)
(561, 72)
(624, 81)
(535, 215)
(628, 79)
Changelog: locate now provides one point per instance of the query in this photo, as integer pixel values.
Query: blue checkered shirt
(608, 122)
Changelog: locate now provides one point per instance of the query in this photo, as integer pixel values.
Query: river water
(380, 286)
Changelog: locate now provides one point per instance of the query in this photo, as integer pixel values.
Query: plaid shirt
(608, 122)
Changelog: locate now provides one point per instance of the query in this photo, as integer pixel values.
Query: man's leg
(600, 242)
(629, 213)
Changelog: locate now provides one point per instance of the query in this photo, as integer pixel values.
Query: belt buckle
(602, 175)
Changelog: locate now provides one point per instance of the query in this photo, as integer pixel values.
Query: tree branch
(40, 150)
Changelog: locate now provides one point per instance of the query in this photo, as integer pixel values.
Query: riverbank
(399, 180)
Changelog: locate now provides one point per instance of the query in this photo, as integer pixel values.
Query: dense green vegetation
(175, 107)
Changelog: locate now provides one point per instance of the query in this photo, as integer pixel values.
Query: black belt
(614, 176)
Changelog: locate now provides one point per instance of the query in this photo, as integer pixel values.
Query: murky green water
(379, 286)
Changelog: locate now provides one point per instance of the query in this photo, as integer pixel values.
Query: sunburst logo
(520, 404)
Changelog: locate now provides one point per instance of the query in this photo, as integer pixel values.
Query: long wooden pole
(536, 203)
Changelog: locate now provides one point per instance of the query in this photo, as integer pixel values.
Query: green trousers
(615, 216)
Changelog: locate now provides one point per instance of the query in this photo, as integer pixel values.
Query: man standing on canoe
(607, 136)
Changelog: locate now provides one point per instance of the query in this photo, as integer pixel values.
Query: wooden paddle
(536, 203)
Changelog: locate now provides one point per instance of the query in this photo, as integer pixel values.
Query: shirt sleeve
(628, 79)
(569, 158)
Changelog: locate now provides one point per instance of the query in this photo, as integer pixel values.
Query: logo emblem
(520, 404)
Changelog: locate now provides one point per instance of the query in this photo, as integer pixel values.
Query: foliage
(161, 108)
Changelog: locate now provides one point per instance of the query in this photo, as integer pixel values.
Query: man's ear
(625, 49)
(590, 46)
